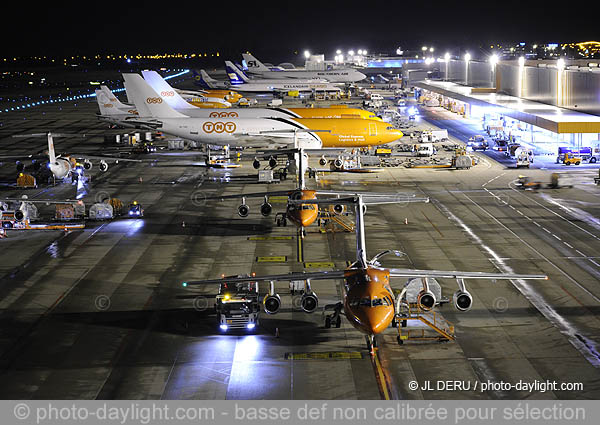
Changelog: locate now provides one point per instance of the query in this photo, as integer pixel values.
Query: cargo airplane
(306, 214)
(367, 299)
(313, 133)
(336, 75)
(242, 83)
(62, 166)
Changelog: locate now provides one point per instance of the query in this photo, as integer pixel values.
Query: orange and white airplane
(313, 133)
(367, 300)
(307, 213)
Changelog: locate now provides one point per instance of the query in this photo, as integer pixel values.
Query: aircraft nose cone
(376, 319)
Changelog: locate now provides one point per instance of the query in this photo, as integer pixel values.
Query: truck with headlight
(237, 306)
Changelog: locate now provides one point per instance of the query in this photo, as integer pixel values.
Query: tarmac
(101, 313)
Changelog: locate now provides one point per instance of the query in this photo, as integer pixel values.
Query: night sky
(276, 29)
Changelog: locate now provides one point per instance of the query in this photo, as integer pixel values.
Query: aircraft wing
(252, 195)
(461, 275)
(105, 158)
(43, 201)
(332, 274)
(23, 157)
(367, 198)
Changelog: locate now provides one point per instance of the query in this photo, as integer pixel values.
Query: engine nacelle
(338, 163)
(243, 210)
(309, 302)
(19, 215)
(272, 303)
(272, 162)
(256, 164)
(323, 160)
(103, 166)
(87, 165)
(463, 301)
(339, 208)
(265, 209)
(426, 300)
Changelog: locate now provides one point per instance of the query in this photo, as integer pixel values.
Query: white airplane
(205, 81)
(154, 113)
(112, 110)
(341, 75)
(62, 166)
(173, 97)
(240, 82)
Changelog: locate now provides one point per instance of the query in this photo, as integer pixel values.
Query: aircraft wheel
(327, 322)
(400, 342)
(338, 322)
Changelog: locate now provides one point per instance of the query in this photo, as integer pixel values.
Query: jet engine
(87, 165)
(272, 162)
(272, 303)
(265, 209)
(19, 215)
(339, 208)
(243, 210)
(103, 166)
(256, 164)
(309, 302)
(426, 299)
(323, 160)
(338, 163)
(463, 301)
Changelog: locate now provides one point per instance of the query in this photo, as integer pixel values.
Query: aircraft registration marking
(281, 259)
(325, 355)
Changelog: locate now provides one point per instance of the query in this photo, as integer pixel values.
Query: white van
(376, 96)
(425, 149)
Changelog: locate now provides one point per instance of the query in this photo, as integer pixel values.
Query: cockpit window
(370, 302)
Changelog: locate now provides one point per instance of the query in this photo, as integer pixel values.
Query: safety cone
(405, 220)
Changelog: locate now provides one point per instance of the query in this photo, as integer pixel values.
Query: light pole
(467, 59)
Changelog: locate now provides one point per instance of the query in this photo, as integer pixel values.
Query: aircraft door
(372, 129)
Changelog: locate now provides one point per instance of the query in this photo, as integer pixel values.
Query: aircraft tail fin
(51, 153)
(108, 107)
(236, 77)
(254, 65)
(203, 80)
(114, 99)
(147, 102)
(165, 91)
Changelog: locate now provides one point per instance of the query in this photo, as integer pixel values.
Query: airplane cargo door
(372, 130)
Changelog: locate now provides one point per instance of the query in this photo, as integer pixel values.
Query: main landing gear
(334, 318)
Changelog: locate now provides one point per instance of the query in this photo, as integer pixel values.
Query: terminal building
(543, 105)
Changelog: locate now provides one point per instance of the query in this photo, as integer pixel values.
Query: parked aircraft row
(159, 107)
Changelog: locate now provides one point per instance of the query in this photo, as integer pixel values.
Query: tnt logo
(223, 115)
(153, 100)
(167, 93)
(108, 105)
(218, 127)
